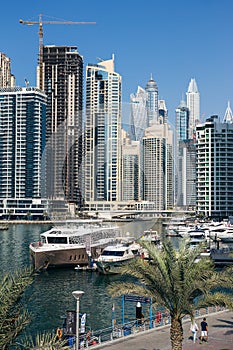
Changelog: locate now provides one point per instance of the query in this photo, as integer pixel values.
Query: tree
(177, 280)
(13, 317)
(46, 341)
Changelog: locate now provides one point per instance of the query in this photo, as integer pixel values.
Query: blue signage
(137, 299)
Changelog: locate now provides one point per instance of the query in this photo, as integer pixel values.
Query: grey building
(62, 81)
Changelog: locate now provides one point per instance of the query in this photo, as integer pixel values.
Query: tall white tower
(193, 104)
(103, 132)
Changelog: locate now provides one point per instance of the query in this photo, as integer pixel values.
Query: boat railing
(36, 244)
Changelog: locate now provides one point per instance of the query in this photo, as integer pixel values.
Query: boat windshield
(112, 253)
(54, 240)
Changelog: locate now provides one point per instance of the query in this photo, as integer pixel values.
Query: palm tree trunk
(176, 333)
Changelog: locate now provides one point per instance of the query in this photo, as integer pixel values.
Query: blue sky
(173, 40)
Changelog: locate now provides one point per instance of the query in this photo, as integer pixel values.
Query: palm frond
(45, 341)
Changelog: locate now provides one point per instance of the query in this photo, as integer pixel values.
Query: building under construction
(62, 81)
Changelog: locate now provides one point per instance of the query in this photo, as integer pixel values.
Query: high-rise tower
(138, 114)
(185, 159)
(6, 78)
(162, 112)
(22, 142)
(130, 169)
(158, 166)
(103, 132)
(152, 101)
(63, 85)
(215, 168)
(193, 104)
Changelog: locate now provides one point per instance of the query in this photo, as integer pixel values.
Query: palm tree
(13, 317)
(46, 341)
(178, 281)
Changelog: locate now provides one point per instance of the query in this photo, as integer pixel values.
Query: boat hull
(111, 267)
(45, 258)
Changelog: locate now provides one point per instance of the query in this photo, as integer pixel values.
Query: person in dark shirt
(204, 331)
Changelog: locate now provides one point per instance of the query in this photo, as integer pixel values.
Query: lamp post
(77, 294)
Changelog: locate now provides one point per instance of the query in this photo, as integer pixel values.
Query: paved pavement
(220, 336)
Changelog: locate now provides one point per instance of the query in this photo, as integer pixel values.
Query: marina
(51, 294)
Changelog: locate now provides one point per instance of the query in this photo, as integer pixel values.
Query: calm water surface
(51, 294)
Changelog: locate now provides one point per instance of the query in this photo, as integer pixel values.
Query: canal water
(50, 296)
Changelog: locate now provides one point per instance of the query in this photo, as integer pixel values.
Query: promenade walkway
(220, 336)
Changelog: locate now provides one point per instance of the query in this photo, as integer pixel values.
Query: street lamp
(77, 294)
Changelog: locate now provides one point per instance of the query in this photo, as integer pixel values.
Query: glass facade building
(152, 101)
(22, 142)
(103, 132)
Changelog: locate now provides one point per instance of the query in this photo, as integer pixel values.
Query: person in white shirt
(194, 329)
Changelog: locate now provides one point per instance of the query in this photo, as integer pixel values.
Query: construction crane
(40, 22)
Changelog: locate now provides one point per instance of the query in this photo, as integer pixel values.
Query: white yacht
(72, 244)
(196, 237)
(114, 256)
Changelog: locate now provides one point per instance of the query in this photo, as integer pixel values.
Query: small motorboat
(114, 256)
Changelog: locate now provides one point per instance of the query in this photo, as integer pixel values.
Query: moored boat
(113, 257)
(72, 244)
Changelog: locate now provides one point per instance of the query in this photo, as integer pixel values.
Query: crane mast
(40, 22)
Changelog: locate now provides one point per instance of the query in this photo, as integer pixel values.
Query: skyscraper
(130, 177)
(185, 159)
(158, 166)
(162, 112)
(6, 78)
(138, 114)
(215, 168)
(152, 101)
(103, 132)
(22, 142)
(62, 79)
(193, 104)
(182, 122)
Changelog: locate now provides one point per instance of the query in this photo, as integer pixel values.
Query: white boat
(114, 256)
(72, 244)
(150, 236)
(197, 237)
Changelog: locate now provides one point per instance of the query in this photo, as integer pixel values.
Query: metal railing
(160, 318)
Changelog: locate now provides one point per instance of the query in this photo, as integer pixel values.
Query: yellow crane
(40, 22)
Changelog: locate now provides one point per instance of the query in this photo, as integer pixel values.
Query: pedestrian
(194, 329)
(204, 331)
